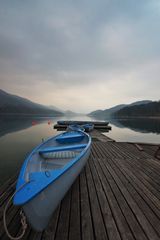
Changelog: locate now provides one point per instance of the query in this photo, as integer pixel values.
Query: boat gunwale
(21, 179)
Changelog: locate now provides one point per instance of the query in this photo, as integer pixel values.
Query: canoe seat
(60, 155)
(69, 138)
(62, 148)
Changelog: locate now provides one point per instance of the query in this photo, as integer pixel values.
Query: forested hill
(151, 109)
(12, 104)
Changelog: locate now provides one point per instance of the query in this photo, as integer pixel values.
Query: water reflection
(147, 125)
(9, 124)
(18, 136)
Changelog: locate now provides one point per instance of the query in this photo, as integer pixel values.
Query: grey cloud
(78, 43)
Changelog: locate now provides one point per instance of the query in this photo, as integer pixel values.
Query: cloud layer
(80, 55)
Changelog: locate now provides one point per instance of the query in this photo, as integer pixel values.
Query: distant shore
(29, 115)
(144, 117)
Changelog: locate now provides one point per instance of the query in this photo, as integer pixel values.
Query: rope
(23, 218)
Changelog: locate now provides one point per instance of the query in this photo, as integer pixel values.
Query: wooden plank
(7, 184)
(71, 122)
(140, 164)
(33, 235)
(98, 127)
(10, 215)
(141, 175)
(132, 151)
(149, 162)
(146, 165)
(75, 221)
(147, 209)
(121, 222)
(139, 147)
(95, 134)
(157, 153)
(140, 187)
(117, 197)
(86, 221)
(7, 194)
(98, 223)
(14, 226)
(150, 149)
(137, 231)
(143, 221)
(27, 234)
(109, 221)
(63, 223)
(50, 231)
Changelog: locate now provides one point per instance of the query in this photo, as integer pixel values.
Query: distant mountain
(109, 113)
(55, 108)
(139, 103)
(70, 113)
(151, 109)
(96, 113)
(12, 104)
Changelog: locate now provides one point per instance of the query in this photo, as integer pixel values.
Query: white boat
(47, 174)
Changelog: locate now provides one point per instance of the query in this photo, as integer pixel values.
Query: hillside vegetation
(151, 109)
(12, 104)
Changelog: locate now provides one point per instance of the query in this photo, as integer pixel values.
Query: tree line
(145, 110)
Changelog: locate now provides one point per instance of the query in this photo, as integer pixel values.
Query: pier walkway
(116, 197)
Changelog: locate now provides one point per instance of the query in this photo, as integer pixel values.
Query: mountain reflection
(9, 124)
(146, 125)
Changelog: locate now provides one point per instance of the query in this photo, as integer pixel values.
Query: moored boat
(88, 127)
(72, 122)
(75, 127)
(47, 174)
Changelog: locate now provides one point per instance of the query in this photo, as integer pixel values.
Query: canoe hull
(39, 209)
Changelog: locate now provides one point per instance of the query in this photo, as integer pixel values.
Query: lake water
(19, 135)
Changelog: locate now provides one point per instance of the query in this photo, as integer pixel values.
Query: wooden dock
(116, 197)
(102, 126)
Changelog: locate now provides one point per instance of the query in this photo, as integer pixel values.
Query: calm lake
(19, 135)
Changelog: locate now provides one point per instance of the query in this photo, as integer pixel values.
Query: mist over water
(18, 136)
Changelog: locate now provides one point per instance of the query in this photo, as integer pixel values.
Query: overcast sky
(80, 55)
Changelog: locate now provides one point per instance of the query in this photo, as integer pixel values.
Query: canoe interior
(57, 158)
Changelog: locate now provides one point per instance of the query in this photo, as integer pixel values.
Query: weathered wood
(137, 226)
(116, 197)
(75, 221)
(122, 224)
(139, 147)
(108, 217)
(148, 211)
(99, 228)
(96, 123)
(157, 153)
(63, 223)
(50, 231)
(98, 136)
(87, 230)
(99, 127)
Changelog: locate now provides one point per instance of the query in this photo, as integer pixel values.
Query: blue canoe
(88, 127)
(47, 174)
(75, 127)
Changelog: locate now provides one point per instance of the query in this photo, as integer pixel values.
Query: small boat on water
(66, 122)
(88, 127)
(47, 174)
(75, 127)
